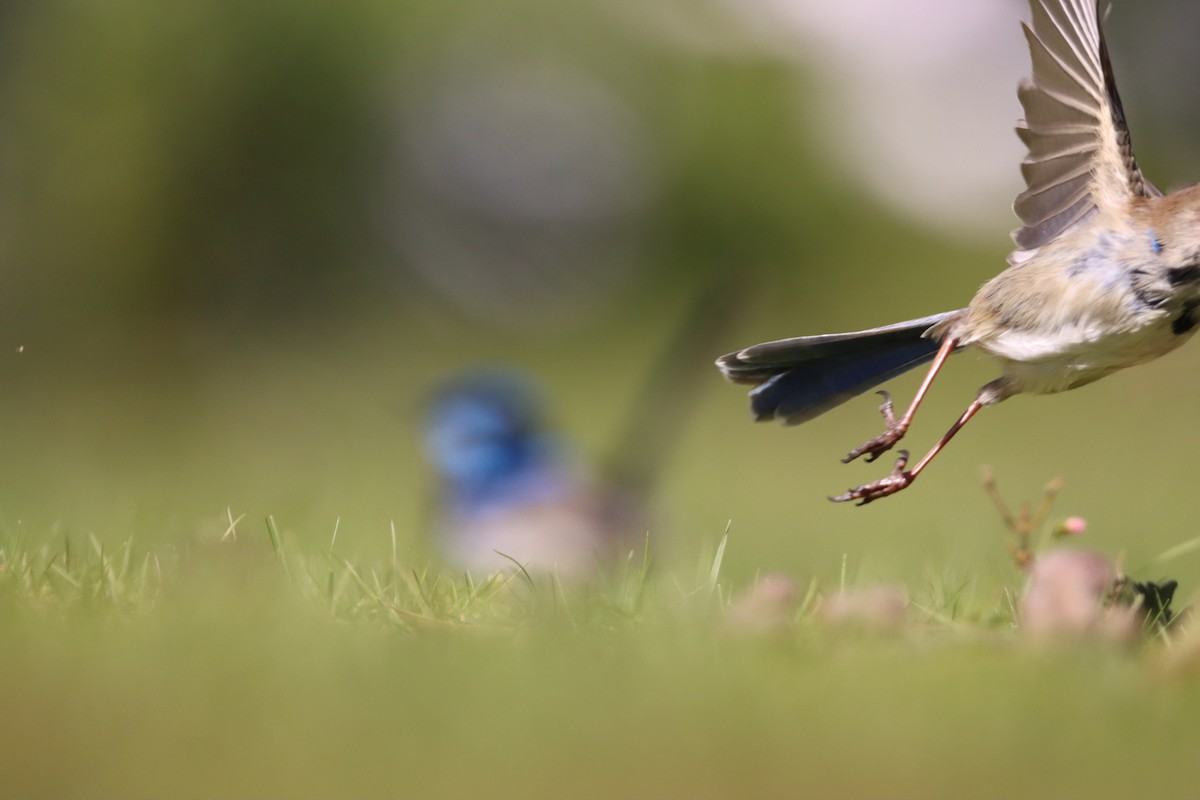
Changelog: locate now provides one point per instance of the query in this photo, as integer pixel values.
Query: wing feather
(1080, 155)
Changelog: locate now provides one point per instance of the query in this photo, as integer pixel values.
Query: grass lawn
(250, 667)
(179, 619)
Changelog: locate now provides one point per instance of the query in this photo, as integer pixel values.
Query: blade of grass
(277, 544)
(715, 573)
(1172, 553)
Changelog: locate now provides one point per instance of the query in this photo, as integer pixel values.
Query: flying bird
(1105, 274)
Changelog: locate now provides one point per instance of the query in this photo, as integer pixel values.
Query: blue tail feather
(814, 387)
(800, 378)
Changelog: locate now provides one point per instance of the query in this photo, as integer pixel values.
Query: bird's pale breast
(1078, 310)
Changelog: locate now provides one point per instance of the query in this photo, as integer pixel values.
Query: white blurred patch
(916, 99)
(521, 187)
(919, 97)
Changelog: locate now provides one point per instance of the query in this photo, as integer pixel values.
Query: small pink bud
(1071, 526)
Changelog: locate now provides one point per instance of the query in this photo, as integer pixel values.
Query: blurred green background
(240, 242)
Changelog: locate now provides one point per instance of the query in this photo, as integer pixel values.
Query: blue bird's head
(484, 435)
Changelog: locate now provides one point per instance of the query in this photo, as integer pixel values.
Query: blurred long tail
(671, 390)
(798, 379)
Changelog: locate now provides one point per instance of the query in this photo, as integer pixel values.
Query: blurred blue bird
(1106, 273)
(510, 492)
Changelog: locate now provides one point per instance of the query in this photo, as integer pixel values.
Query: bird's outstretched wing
(1080, 157)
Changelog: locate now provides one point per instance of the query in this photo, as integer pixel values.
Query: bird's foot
(884, 441)
(899, 479)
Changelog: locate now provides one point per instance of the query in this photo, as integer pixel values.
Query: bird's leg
(896, 428)
(901, 477)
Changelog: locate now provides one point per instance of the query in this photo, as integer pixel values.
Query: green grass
(249, 665)
(215, 582)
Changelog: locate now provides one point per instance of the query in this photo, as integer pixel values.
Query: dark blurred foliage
(199, 160)
(208, 164)
(1155, 50)
(227, 163)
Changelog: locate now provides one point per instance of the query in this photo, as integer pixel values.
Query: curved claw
(885, 407)
(899, 479)
(876, 447)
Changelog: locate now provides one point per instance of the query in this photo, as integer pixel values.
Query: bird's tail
(798, 379)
